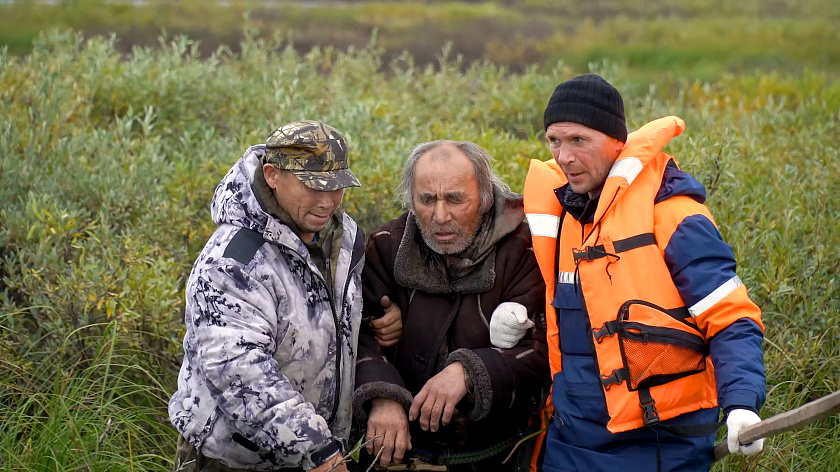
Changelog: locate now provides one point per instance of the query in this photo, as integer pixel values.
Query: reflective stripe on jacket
(618, 263)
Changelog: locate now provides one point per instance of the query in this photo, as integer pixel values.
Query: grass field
(109, 157)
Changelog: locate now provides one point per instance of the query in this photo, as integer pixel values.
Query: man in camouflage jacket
(273, 306)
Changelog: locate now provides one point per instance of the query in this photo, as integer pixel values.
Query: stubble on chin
(456, 246)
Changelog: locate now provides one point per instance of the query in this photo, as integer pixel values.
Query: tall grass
(71, 412)
(109, 162)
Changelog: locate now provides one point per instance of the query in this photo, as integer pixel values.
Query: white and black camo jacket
(269, 357)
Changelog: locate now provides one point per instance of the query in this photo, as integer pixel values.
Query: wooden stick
(784, 422)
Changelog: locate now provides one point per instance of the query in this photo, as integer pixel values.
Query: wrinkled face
(310, 209)
(585, 155)
(446, 200)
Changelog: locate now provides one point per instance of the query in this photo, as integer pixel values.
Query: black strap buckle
(617, 376)
(608, 330)
(649, 414)
(586, 253)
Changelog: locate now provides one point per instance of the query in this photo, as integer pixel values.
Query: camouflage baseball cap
(315, 152)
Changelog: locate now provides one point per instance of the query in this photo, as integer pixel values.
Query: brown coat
(453, 325)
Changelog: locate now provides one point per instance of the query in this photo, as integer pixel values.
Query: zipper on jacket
(338, 338)
(657, 334)
(337, 324)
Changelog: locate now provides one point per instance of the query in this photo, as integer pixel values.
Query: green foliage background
(698, 38)
(108, 162)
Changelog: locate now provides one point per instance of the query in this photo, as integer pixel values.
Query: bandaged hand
(737, 421)
(509, 324)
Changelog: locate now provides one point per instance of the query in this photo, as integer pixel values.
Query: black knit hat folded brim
(589, 116)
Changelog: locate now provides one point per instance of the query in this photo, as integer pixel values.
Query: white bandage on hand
(737, 421)
(509, 324)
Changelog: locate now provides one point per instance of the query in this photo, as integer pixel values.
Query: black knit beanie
(591, 101)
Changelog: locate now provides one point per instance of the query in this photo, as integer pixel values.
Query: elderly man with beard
(463, 380)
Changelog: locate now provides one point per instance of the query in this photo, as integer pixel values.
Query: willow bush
(108, 163)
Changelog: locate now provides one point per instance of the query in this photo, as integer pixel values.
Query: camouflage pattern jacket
(268, 372)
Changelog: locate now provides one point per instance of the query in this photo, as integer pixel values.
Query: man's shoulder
(231, 246)
(677, 182)
(392, 229)
(519, 237)
(243, 246)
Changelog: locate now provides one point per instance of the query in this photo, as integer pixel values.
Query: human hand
(737, 421)
(387, 429)
(333, 464)
(436, 401)
(509, 324)
(388, 328)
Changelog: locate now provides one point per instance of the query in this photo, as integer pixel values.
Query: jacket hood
(237, 202)
(676, 182)
(643, 152)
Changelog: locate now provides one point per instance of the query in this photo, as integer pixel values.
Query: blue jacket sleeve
(739, 366)
(702, 267)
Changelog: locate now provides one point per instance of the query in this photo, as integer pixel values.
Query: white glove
(508, 324)
(737, 421)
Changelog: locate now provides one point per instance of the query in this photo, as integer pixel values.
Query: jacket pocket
(577, 404)
(653, 354)
(566, 296)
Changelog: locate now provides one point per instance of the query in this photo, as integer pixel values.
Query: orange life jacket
(650, 348)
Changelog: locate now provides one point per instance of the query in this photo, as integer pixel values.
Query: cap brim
(328, 180)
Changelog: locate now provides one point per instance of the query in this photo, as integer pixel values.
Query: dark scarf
(580, 206)
(419, 267)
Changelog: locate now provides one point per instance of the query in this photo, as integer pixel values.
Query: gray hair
(480, 158)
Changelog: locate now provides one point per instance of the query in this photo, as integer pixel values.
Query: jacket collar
(642, 148)
(581, 207)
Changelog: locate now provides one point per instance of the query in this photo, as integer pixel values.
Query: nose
(563, 156)
(326, 199)
(441, 212)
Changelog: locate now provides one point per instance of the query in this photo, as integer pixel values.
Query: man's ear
(272, 174)
(619, 146)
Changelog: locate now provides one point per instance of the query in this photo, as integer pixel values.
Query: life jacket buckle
(608, 330)
(617, 376)
(649, 414)
(585, 253)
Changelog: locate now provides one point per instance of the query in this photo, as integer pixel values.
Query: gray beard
(448, 249)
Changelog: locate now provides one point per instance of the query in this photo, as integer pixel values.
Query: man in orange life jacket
(650, 331)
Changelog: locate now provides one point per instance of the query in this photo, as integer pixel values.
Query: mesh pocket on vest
(655, 355)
